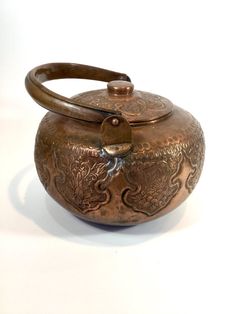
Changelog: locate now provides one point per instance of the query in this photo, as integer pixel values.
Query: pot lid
(136, 106)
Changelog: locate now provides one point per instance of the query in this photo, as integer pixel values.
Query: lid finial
(120, 88)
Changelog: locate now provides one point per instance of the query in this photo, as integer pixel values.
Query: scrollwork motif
(151, 175)
(152, 184)
(154, 176)
(139, 106)
(82, 181)
(195, 155)
(41, 160)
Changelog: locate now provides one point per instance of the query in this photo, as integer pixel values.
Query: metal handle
(63, 105)
(116, 138)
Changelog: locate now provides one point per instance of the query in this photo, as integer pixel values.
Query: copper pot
(114, 156)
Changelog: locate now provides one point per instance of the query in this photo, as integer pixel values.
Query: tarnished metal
(114, 156)
(116, 136)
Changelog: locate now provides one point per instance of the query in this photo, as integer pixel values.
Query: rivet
(115, 122)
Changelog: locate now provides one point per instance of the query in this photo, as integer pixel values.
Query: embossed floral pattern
(82, 181)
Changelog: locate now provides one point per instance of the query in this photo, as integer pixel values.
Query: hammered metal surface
(136, 108)
(153, 179)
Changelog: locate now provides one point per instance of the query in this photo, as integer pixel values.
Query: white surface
(51, 262)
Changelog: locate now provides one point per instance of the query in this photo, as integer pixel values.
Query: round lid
(136, 106)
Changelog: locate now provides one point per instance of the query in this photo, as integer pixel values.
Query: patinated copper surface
(114, 156)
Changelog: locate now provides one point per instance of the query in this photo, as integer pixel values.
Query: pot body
(155, 177)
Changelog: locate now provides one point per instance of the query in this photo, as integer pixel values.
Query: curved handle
(63, 105)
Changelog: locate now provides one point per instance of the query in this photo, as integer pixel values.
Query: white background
(51, 262)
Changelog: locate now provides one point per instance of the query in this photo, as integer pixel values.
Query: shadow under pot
(115, 156)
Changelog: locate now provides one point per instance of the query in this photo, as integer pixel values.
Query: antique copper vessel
(114, 156)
